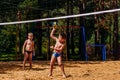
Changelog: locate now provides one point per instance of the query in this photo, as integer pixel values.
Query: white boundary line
(62, 17)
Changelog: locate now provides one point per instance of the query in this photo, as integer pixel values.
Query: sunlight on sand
(75, 70)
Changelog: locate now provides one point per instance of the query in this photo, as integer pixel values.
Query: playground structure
(103, 53)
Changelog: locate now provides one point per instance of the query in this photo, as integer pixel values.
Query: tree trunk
(19, 33)
(67, 30)
(39, 32)
(115, 33)
(102, 19)
(97, 39)
(72, 32)
(48, 46)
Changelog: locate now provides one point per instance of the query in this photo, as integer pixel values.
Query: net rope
(61, 17)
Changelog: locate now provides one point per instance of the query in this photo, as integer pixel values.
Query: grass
(7, 57)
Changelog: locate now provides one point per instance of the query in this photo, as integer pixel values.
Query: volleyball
(55, 24)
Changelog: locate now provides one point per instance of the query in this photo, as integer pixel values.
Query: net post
(104, 53)
(84, 43)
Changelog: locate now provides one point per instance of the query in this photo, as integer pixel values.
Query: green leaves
(7, 39)
(28, 4)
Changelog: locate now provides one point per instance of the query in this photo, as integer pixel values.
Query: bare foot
(64, 76)
(50, 75)
(23, 68)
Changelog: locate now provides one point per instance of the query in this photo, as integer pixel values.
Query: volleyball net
(62, 17)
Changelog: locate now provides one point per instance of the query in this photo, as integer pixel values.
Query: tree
(115, 33)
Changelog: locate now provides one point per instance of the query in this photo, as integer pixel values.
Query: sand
(75, 70)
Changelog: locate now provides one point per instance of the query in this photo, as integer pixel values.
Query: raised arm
(52, 34)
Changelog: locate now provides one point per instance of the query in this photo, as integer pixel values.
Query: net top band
(61, 17)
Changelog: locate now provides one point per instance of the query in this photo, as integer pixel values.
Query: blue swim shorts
(55, 54)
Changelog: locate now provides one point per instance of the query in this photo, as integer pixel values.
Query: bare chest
(58, 45)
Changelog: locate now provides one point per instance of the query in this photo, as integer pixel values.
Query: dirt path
(109, 70)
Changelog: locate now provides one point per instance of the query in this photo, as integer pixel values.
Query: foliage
(7, 39)
(35, 9)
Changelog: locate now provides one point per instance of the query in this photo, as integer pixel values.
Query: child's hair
(63, 35)
(30, 33)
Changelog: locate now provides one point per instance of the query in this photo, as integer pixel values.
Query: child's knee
(51, 64)
(60, 64)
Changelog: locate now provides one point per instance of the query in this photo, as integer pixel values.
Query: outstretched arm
(52, 34)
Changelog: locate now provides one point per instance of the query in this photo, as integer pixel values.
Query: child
(28, 50)
(57, 50)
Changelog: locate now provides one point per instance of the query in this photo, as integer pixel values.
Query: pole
(19, 31)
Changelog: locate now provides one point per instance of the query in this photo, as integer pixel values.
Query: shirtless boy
(57, 50)
(28, 50)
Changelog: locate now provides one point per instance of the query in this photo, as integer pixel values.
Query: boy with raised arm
(57, 51)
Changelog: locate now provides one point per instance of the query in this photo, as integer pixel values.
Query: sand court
(75, 70)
